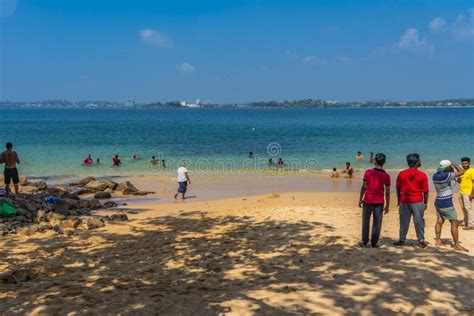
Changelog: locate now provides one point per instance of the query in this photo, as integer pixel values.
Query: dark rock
(97, 185)
(20, 218)
(111, 185)
(19, 276)
(126, 186)
(140, 193)
(110, 204)
(102, 195)
(40, 185)
(83, 191)
(132, 212)
(95, 222)
(62, 209)
(118, 217)
(57, 228)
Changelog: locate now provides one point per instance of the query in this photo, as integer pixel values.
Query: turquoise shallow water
(55, 142)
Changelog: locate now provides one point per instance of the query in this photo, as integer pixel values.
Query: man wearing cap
(412, 196)
(466, 193)
(442, 179)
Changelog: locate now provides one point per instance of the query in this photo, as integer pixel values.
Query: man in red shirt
(374, 192)
(412, 195)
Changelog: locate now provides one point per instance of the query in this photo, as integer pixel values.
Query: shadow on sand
(196, 265)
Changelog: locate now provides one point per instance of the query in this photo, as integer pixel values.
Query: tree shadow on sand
(192, 264)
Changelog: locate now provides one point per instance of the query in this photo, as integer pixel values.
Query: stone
(102, 195)
(83, 181)
(44, 226)
(57, 228)
(32, 207)
(70, 223)
(97, 185)
(85, 204)
(23, 212)
(28, 230)
(40, 185)
(110, 204)
(111, 185)
(126, 186)
(23, 181)
(119, 217)
(95, 222)
(62, 209)
(20, 218)
(140, 193)
(83, 191)
(41, 216)
(18, 276)
(55, 218)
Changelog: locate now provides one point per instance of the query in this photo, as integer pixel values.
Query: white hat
(445, 164)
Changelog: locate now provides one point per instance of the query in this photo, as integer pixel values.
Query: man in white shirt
(183, 181)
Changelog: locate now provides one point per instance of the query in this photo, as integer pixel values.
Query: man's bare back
(10, 158)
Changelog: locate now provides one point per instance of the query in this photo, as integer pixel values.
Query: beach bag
(6, 210)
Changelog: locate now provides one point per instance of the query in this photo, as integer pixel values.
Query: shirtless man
(10, 158)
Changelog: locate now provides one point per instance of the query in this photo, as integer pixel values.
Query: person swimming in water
(97, 162)
(359, 156)
(88, 160)
(348, 169)
(334, 173)
(116, 161)
(135, 157)
(280, 163)
(153, 160)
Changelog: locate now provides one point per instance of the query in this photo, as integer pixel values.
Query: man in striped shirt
(442, 179)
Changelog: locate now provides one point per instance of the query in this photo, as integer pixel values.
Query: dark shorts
(11, 174)
(183, 187)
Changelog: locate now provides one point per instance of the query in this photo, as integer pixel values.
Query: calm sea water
(55, 142)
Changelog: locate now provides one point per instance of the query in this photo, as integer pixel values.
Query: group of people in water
(117, 162)
(412, 199)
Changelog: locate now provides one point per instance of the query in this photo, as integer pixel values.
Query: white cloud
(186, 67)
(463, 28)
(316, 60)
(437, 24)
(155, 38)
(412, 42)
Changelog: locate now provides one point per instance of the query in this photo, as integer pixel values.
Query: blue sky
(235, 51)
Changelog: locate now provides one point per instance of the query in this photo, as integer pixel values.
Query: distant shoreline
(237, 108)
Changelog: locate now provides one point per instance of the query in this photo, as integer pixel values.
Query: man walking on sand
(466, 193)
(183, 181)
(375, 186)
(442, 179)
(412, 196)
(10, 173)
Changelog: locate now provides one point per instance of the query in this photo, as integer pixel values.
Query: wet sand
(272, 254)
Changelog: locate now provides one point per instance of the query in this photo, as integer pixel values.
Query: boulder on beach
(83, 181)
(95, 222)
(126, 187)
(96, 185)
(102, 195)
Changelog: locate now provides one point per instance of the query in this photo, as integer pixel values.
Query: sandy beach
(252, 254)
